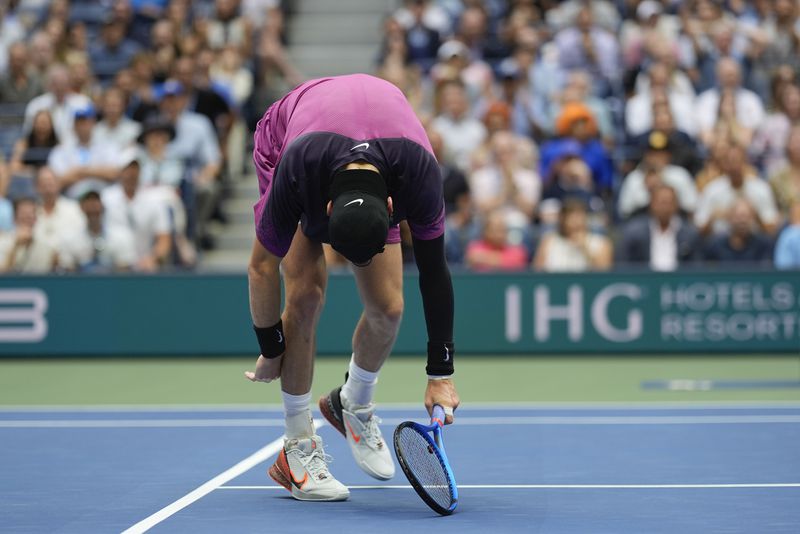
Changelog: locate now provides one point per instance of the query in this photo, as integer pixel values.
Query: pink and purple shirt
(321, 126)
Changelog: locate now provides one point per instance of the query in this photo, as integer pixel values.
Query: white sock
(299, 423)
(359, 386)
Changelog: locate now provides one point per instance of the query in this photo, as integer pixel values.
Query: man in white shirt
(84, 163)
(639, 109)
(97, 246)
(115, 127)
(56, 214)
(748, 108)
(462, 133)
(60, 101)
(144, 213)
(504, 184)
(655, 169)
(721, 194)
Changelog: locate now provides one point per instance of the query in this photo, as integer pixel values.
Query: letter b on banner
(22, 315)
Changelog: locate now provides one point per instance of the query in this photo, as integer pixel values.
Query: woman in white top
(572, 248)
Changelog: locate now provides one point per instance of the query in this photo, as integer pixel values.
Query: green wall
(525, 313)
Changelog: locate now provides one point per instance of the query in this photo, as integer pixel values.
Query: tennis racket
(424, 462)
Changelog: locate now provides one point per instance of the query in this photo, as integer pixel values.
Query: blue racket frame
(437, 445)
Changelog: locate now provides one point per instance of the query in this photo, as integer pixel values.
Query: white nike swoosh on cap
(365, 145)
(359, 200)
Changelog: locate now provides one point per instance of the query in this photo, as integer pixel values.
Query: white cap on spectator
(451, 49)
(127, 156)
(648, 8)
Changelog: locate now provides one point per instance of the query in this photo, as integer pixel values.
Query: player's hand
(442, 392)
(267, 370)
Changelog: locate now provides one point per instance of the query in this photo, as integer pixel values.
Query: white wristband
(439, 377)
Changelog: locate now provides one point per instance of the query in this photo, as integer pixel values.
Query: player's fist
(267, 370)
(442, 392)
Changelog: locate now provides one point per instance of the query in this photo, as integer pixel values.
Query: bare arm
(483, 258)
(162, 247)
(16, 165)
(603, 258)
(264, 279)
(76, 174)
(540, 260)
(208, 174)
(5, 178)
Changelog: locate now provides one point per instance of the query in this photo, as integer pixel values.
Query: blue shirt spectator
(149, 6)
(787, 249)
(114, 52)
(741, 243)
(577, 130)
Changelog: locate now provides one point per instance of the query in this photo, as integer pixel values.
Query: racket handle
(437, 415)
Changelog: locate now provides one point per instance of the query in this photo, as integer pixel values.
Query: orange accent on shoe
(278, 477)
(356, 437)
(279, 470)
(300, 484)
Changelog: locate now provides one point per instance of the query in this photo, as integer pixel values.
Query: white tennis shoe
(302, 468)
(359, 425)
(366, 442)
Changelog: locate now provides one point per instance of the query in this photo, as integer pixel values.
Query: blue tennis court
(529, 468)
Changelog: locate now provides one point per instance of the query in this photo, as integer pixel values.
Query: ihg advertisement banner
(635, 312)
(615, 312)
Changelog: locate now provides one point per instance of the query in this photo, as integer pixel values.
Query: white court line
(558, 486)
(622, 420)
(578, 420)
(121, 408)
(140, 423)
(578, 405)
(198, 493)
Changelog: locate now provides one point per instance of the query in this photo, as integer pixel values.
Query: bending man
(347, 159)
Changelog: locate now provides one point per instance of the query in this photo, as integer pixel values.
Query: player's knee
(389, 314)
(307, 301)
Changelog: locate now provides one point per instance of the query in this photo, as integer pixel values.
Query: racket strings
(423, 461)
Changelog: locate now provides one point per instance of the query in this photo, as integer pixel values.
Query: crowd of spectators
(572, 135)
(122, 124)
(581, 135)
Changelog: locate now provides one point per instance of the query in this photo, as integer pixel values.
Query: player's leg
(380, 285)
(301, 466)
(350, 408)
(305, 279)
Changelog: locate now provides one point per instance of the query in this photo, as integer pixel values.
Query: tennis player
(343, 160)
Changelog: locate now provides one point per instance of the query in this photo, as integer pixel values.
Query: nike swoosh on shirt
(359, 200)
(365, 145)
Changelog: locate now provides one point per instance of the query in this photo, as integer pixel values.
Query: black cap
(359, 221)
(156, 123)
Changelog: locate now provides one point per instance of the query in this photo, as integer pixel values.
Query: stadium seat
(11, 114)
(90, 13)
(9, 136)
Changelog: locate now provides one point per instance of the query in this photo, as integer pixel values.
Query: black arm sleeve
(436, 288)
